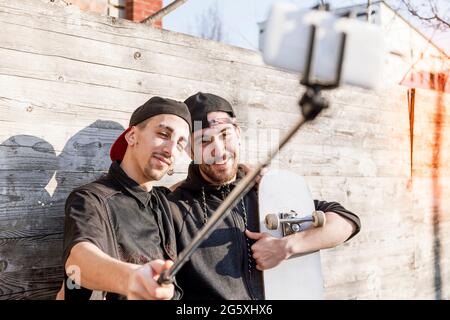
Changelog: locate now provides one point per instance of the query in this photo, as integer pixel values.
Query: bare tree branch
(163, 12)
(210, 25)
(434, 19)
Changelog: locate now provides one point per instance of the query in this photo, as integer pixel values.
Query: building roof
(401, 17)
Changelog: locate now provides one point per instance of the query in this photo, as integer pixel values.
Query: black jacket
(222, 267)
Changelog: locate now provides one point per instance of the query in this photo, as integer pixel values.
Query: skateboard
(286, 207)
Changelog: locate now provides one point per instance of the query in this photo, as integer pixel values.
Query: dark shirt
(222, 267)
(121, 219)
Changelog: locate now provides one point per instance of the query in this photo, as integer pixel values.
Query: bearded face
(216, 149)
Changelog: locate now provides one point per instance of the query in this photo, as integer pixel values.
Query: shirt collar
(129, 185)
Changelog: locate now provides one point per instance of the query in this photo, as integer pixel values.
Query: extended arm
(98, 271)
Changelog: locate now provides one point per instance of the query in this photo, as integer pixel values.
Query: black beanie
(151, 108)
(158, 105)
(200, 104)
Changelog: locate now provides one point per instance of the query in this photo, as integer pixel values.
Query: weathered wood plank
(39, 283)
(35, 252)
(125, 58)
(32, 226)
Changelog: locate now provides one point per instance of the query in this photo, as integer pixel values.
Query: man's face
(216, 149)
(156, 144)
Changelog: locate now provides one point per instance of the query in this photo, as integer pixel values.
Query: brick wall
(138, 10)
(135, 10)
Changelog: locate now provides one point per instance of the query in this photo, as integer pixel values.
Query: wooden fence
(69, 81)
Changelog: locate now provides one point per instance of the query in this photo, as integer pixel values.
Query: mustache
(163, 156)
(223, 158)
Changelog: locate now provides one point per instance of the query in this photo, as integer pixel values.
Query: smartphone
(285, 42)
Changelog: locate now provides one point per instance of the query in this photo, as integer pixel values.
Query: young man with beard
(228, 264)
(118, 233)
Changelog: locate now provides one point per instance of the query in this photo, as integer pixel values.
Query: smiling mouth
(163, 160)
(223, 162)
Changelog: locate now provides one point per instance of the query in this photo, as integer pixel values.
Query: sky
(240, 18)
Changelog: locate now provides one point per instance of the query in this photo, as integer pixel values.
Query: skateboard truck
(291, 222)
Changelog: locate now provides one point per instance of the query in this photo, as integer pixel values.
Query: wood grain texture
(69, 81)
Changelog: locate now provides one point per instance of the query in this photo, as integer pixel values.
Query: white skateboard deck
(299, 277)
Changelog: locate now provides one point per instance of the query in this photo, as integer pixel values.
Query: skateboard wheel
(319, 218)
(272, 222)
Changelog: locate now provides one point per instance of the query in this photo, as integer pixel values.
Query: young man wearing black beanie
(228, 264)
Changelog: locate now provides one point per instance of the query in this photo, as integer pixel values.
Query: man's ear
(238, 131)
(130, 136)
